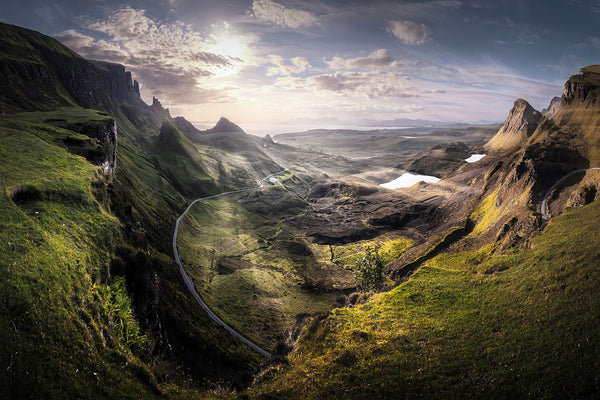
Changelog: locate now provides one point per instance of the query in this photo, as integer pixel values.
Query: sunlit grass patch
(56, 241)
(508, 324)
(390, 249)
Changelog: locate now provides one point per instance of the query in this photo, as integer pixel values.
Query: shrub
(368, 270)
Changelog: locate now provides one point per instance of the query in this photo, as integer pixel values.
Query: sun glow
(229, 46)
(234, 48)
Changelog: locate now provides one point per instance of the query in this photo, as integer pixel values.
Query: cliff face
(552, 107)
(106, 133)
(579, 110)
(534, 152)
(39, 73)
(583, 88)
(520, 124)
(159, 114)
(95, 84)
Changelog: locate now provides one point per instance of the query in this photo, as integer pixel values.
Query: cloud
(409, 32)
(170, 60)
(273, 13)
(295, 66)
(490, 84)
(74, 39)
(370, 84)
(377, 59)
(91, 48)
(593, 6)
(375, 108)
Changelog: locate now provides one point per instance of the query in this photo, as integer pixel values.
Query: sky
(285, 65)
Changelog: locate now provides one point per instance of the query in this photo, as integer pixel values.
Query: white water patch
(474, 158)
(409, 137)
(407, 180)
(273, 180)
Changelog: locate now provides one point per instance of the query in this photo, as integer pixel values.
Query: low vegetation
(466, 325)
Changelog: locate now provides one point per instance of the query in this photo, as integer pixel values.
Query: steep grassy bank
(467, 325)
(66, 322)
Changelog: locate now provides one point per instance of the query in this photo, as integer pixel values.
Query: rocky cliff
(520, 124)
(38, 73)
(106, 132)
(552, 107)
(582, 88)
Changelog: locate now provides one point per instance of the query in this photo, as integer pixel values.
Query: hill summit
(225, 126)
(520, 124)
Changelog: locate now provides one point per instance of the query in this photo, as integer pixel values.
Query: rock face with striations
(552, 107)
(520, 124)
(583, 88)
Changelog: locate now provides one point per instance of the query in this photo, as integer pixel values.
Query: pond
(407, 180)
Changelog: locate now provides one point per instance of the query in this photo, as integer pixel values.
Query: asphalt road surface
(190, 284)
(544, 206)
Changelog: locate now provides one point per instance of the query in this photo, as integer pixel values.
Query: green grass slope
(26, 82)
(467, 325)
(67, 326)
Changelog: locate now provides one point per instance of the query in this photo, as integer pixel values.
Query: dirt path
(190, 284)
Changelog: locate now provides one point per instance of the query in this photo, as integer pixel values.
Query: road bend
(544, 205)
(190, 284)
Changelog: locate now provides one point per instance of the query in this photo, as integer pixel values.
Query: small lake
(407, 180)
(474, 158)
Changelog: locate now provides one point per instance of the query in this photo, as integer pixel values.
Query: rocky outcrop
(582, 88)
(103, 150)
(440, 160)
(520, 124)
(267, 141)
(160, 113)
(341, 212)
(552, 107)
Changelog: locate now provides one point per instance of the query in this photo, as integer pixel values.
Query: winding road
(190, 284)
(544, 206)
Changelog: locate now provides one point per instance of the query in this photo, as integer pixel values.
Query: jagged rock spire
(521, 122)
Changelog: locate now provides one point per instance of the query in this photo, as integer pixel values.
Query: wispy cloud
(377, 59)
(409, 32)
(366, 84)
(274, 13)
(294, 66)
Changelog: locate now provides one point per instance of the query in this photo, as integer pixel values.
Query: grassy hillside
(507, 312)
(109, 235)
(66, 322)
(466, 325)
